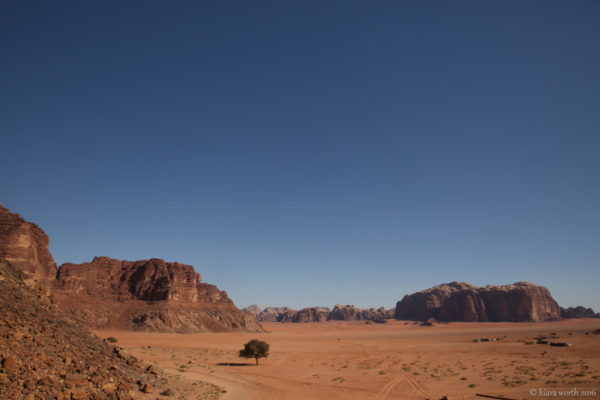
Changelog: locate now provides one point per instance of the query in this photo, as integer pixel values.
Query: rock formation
(320, 314)
(45, 355)
(310, 314)
(270, 314)
(108, 293)
(25, 246)
(151, 295)
(352, 313)
(578, 312)
(460, 301)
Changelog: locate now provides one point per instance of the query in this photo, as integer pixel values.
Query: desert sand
(396, 360)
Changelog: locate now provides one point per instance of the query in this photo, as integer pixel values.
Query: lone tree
(255, 349)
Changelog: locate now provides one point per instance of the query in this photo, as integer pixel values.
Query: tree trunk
(256, 360)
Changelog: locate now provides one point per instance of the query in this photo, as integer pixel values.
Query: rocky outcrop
(310, 314)
(320, 314)
(151, 295)
(44, 354)
(578, 312)
(25, 246)
(352, 313)
(460, 301)
(269, 314)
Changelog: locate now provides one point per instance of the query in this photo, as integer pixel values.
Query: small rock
(150, 369)
(72, 380)
(78, 395)
(45, 381)
(9, 363)
(148, 388)
(109, 388)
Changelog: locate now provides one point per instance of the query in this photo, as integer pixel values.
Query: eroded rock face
(310, 314)
(578, 312)
(152, 295)
(352, 313)
(25, 246)
(320, 314)
(270, 314)
(459, 301)
(150, 280)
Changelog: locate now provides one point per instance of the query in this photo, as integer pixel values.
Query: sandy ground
(396, 360)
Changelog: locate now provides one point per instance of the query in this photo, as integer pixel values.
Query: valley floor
(396, 360)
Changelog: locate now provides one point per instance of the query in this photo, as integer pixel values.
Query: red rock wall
(25, 246)
(518, 302)
(149, 280)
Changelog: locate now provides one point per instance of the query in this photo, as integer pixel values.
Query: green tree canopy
(255, 349)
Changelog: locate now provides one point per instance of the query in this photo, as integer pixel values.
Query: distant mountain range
(320, 314)
(155, 295)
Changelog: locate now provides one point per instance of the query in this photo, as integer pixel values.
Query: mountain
(320, 314)
(578, 312)
(461, 301)
(151, 295)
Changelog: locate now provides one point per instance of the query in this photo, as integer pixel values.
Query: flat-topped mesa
(25, 246)
(149, 280)
(461, 301)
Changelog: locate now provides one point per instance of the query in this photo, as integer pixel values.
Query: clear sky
(311, 152)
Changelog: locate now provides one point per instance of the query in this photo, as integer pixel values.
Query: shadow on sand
(235, 364)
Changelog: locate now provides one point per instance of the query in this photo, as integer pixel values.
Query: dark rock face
(311, 314)
(352, 313)
(151, 295)
(149, 280)
(459, 301)
(321, 314)
(578, 312)
(25, 246)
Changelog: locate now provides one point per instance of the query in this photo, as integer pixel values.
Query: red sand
(396, 360)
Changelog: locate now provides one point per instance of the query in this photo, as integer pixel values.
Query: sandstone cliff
(25, 246)
(460, 301)
(151, 295)
(142, 295)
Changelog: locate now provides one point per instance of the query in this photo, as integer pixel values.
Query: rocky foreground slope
(320, 314)
(46, 355)
(460, 301)
(151, 295)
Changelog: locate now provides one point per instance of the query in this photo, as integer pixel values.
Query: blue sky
(311, 153)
